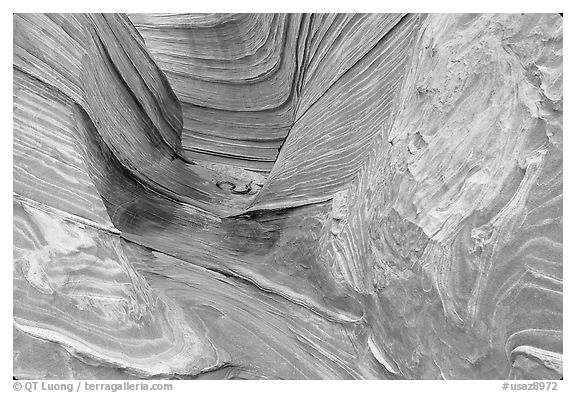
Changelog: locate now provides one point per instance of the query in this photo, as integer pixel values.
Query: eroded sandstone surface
(288, 196)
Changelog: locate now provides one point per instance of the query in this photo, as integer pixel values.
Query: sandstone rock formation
(288, 196)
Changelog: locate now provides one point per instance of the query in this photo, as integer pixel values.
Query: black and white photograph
(286, 196)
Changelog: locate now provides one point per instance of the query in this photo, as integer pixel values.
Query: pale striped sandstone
(288, 196)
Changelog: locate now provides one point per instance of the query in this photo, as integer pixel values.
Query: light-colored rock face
(288, 196)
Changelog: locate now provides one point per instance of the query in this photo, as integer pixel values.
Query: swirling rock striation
(288, 196)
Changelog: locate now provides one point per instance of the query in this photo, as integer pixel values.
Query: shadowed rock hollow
(288, 196)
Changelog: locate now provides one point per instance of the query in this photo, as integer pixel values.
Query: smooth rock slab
(288, 196)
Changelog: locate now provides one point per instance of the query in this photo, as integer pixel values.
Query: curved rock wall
(288, 196)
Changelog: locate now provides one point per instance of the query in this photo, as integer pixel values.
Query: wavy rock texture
(288, 196)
